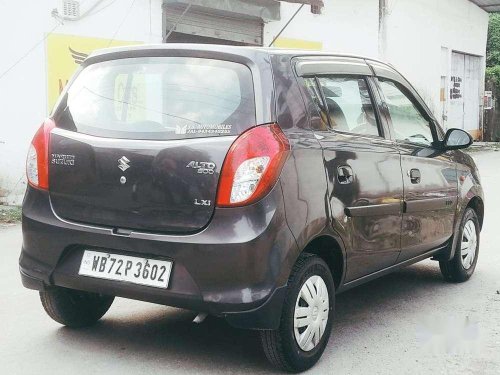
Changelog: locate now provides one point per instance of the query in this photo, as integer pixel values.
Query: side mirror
(456, 139)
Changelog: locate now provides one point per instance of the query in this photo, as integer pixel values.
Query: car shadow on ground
(167, 335)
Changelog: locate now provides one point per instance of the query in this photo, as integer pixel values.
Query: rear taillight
(37, 163)
(252, 166)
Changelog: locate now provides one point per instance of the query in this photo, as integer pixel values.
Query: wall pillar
(382, 28)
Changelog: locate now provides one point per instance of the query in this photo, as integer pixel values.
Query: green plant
(493, 43)
(493, 54)
(493, 74)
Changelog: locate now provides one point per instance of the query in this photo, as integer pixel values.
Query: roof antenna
(286, 25)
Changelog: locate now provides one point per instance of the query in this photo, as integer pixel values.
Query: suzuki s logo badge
(123, 163)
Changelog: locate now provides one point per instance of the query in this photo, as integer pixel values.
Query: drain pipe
(382, 28)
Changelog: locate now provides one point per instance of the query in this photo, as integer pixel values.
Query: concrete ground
(410, 322)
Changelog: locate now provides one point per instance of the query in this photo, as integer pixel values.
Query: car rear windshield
(159, 98)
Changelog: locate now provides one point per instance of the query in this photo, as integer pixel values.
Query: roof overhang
(488, 5)
(267, 10)
(316, 5)
(309, 2)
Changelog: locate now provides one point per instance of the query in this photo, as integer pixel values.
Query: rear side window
(350, 108)
(160, 98)
(313, 90)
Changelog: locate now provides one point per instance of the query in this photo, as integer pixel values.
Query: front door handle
(345, 175)
(414, 176)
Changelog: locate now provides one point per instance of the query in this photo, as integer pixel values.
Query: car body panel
(303, 177)
(432, 212)
(469, 190)
(430, 204)
(370, 207)
(217, 267)
(158, 190)
(236, 264)
(368, 210)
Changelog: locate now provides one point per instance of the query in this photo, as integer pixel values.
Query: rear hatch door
(139, 142)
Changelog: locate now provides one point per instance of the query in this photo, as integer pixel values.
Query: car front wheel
(461, 267)
(307, 317)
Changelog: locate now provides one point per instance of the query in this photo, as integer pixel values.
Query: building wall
(345, 26)
(418, 37)
(23, 90)
(421, 36)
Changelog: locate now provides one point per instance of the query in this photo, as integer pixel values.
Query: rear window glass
(159, 98)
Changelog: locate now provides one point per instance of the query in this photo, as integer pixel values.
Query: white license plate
(150, 272)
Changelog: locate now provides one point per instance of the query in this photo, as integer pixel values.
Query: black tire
(454, 270)
(280, 346)
(74, 308)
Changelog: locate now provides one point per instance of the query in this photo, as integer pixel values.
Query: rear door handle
(414, 175)
(345, 175)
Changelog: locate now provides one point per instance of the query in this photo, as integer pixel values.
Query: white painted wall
(23, 93)
(345, 26)
(415, 32)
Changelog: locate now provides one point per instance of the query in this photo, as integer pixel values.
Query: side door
(429, 175)
(362, 165)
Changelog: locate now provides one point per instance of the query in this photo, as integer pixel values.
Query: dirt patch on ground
(10, 215)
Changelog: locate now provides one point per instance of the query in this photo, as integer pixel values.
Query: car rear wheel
(307, 317)
(463, 264)
(74, 308)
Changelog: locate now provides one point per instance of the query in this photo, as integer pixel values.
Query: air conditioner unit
(70, 9)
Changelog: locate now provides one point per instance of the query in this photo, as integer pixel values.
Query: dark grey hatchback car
(246, 183)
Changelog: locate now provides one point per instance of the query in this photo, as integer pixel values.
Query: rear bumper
(237, 267)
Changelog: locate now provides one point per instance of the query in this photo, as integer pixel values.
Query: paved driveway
(410, 322)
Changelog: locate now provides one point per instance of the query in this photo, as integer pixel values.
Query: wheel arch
(477, 204)
(331, 251)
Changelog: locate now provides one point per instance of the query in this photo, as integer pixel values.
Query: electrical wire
(4, 73)
(286, 25)
(28, 52)
(122, 22)
(100, 9)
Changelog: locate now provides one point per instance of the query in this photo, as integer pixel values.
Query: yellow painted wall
(64, 55)
(298, 44)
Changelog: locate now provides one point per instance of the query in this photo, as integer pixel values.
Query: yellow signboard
(298, 44)
(64, 54)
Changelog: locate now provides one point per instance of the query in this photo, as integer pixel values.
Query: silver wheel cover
(468, 247)
(311, 313)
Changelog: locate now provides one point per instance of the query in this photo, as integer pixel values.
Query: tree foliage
(493, 43)
(493, 74)
(493, 49)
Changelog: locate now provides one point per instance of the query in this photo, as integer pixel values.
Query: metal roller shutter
(210, 24)
(464, 111)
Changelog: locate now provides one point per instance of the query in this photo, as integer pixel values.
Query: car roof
(235, 50)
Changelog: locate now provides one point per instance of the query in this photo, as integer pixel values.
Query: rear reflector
(37, 162)
(252, 166)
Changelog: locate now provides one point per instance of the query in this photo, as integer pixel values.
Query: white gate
(464, 95)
